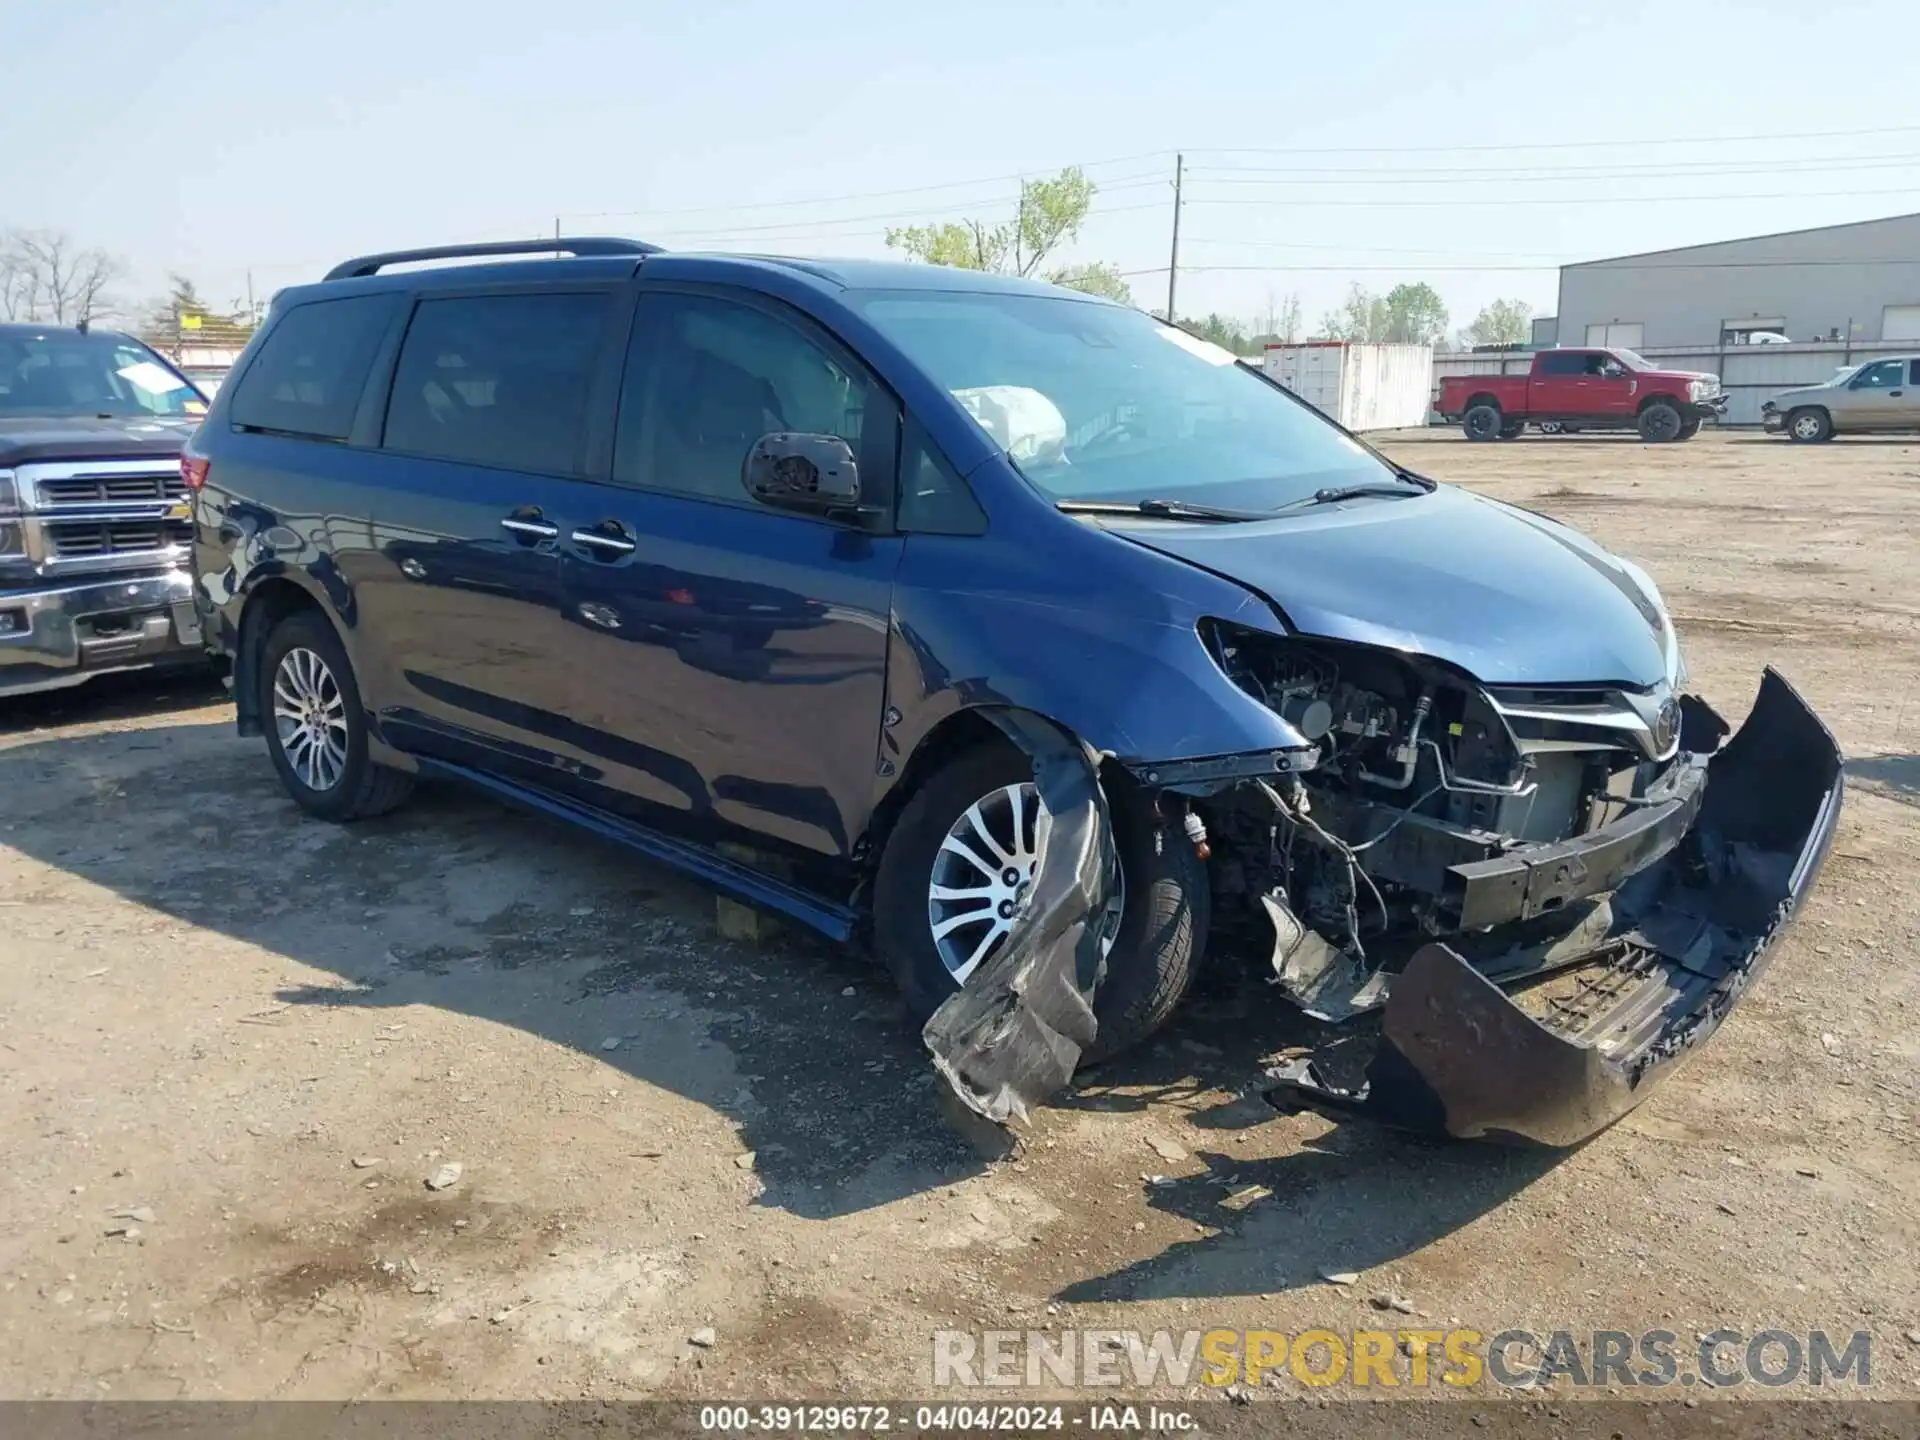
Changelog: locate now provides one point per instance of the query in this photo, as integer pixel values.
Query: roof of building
(1742, 240)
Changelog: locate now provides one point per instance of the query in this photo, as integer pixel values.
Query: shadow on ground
(1895, 776)
(459, 903)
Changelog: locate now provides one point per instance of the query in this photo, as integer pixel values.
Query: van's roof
(691, 265)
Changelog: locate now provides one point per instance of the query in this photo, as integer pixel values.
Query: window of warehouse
(1616, 336)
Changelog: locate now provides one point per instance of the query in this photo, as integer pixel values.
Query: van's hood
(45, 437)
(1511, 597)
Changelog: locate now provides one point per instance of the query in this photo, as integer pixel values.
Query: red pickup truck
(1583, 390)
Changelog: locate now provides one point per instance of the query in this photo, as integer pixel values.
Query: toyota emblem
(1667, 729)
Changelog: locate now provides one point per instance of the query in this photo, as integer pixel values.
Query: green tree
(1362, 317)
(1504, 322)
(1415, 315)
(1095, 279)
(1408, 314)
(1223, 332)
(1049, 214)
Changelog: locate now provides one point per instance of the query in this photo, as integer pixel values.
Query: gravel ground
(246, 1040)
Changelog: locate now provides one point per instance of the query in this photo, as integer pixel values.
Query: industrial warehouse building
(1840, 295)
(1841, 282)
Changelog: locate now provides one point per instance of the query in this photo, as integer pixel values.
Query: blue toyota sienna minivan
(1025, 638)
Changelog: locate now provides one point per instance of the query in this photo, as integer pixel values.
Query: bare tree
(16, 285)
(45, 276)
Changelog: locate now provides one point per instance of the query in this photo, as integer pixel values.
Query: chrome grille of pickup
(82, 539)
(107, 489)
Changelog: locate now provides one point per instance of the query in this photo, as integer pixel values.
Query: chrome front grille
(1563, 719)
(84, 539)
(110, 489)
(87, 517)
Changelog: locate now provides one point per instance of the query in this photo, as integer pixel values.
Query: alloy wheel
(1806, 427)
(310, 718)
(982, 874)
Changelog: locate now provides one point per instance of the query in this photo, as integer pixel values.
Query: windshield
(1099, 402)
(1632, 359)
(65, 373)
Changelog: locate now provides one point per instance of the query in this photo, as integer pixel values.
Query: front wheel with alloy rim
(316, 729)
(1810, 426)
(956, 870)
(1661, 422)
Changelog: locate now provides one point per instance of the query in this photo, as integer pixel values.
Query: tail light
(194, 469)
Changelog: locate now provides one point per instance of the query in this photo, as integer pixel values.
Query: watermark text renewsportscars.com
(1514, 1359)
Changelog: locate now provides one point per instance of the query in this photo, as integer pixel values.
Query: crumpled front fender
(1012, 1037)
(1558, 1062)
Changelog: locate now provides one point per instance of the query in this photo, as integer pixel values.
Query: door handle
(608, 542)
(1895, 394)
(529, 524)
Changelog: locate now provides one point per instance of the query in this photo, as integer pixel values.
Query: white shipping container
(1363, 387)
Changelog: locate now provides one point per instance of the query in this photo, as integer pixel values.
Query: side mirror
(802, 472)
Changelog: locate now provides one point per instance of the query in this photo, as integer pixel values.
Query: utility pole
(1173, 260)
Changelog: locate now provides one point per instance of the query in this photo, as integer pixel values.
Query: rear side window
(1574, 364)
(497, 380)
(311, 368)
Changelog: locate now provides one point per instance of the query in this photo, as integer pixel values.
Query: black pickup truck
(94, 519)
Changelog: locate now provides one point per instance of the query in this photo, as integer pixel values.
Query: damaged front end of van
(1516, 906)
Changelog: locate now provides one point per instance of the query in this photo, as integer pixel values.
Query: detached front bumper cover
(1684, 940)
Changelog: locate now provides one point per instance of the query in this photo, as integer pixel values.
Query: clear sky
(1472, 145)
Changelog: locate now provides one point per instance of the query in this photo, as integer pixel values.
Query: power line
(1507, 177)
(1509, 264)
(1504, 171)
(864, 195)
(1560, 199)
(1509, 148)
(802, 227)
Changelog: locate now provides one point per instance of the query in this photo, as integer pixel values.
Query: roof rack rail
(557, 245)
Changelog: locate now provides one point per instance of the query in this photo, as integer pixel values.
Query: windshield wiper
(1335, 493)
(1158, 509)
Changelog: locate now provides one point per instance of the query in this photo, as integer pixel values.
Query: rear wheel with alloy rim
(956, 870)
(316, 729)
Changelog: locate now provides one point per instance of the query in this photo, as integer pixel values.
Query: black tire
(1661, 422)
(1482, 422)
(1809, 425)
(363, 788)
(1512, 429)
(1689, 429)
(1163, 928)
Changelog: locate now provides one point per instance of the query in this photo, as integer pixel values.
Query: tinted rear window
(312, 366)
(497, 380)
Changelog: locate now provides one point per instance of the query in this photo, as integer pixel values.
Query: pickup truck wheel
(1482, 422)
(1810, 426)
(316, 729)
(935, 865)
(1512, 429)
(1689, 429)
(1660, 422)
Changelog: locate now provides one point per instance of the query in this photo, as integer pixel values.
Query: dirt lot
(268, 1032)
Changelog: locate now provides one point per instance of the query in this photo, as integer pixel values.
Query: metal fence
(1750, 373)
